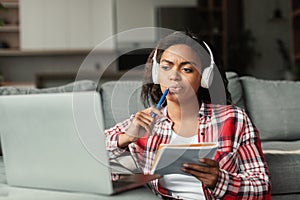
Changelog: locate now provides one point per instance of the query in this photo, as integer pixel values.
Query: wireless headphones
(207, 74)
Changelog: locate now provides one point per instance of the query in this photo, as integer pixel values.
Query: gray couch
(273, 106)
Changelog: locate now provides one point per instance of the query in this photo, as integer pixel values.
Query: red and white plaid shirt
(243, 172)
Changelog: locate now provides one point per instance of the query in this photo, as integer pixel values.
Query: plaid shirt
(243, 171)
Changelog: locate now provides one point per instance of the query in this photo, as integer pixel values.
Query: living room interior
(44, 46)
(253, 38)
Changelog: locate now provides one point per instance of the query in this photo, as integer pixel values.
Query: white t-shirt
(183, 186)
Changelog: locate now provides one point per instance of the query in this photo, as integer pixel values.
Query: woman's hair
(152, 92)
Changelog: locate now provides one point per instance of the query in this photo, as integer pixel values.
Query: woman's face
(180, 72)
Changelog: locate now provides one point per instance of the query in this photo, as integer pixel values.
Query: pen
(161, 100)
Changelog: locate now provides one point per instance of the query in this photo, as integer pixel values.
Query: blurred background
(43, 43)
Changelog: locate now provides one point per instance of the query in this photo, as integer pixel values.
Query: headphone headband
(212, 62)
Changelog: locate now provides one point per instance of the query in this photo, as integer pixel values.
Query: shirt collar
(206, 110)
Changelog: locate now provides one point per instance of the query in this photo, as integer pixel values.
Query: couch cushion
(281, 146)
(120, 99)
(285, 170)
(283, 158)
(274, 107)
(235, 89)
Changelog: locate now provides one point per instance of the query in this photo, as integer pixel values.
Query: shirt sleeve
(112, 135)
(244, 174)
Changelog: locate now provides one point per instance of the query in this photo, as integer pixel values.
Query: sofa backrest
(274, 107)
(120, 99)
(235, 89)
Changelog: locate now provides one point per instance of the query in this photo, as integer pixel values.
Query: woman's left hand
(208, 174)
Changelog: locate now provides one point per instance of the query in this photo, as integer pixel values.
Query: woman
(190, 114)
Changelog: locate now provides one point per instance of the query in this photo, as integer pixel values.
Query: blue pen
(161, 100)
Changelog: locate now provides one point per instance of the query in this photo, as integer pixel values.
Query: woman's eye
(164, 67)
(187, 70)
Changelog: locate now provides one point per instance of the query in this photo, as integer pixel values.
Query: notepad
(170, 157)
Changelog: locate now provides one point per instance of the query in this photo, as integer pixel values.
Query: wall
(65, 24)
(257, 15)
(144, 16)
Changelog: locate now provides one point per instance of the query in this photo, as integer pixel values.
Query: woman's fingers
(209, 162)
(142, 123)
(151, 110)
(142, 118)
(156, 111)
(207, 172)
(145, 115)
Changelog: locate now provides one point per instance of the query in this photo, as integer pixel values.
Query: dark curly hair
(151, 92)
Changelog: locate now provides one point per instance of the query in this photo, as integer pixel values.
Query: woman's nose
(174, 75)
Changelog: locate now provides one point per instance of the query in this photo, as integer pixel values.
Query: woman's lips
(175, 89)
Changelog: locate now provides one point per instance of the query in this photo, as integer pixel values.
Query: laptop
(56, 141)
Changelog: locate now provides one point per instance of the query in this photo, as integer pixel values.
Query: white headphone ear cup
(155, 67)
(207, 77)
(208, 73)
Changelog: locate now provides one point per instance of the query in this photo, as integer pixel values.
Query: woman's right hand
(140, 125)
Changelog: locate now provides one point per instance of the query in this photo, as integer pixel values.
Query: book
(170, 157)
